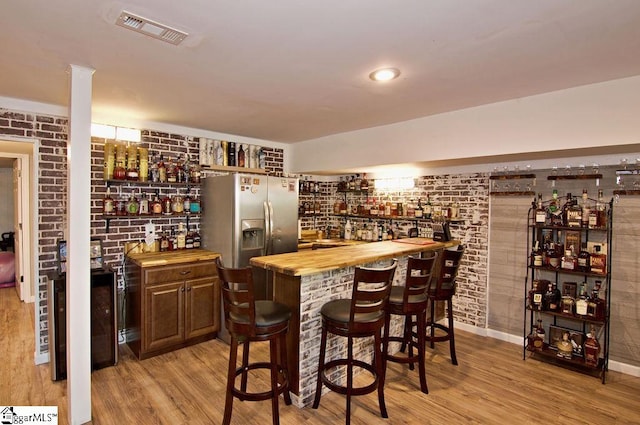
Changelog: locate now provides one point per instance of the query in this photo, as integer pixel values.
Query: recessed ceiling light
(384, 74)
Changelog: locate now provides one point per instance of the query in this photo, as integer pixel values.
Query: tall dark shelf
(575, 322)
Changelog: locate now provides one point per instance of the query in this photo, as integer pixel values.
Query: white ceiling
(291, 70)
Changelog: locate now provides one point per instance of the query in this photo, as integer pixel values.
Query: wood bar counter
(306, 280)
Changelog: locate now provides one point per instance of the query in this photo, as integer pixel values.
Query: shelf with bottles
(512, 193)
(109, 218)
(232, 169)
(399, 218)
(569, 240)
(138, 183)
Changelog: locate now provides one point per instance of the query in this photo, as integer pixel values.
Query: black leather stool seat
(268, 313)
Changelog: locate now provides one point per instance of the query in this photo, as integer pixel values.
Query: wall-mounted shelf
(391, 218)
(512, 176)
(149, 183)
(626, 192)
(576, 177)
(231, 169)
(512, 193)
(108, 218)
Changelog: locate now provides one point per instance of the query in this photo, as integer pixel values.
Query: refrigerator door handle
(267, 229)
(270, 234)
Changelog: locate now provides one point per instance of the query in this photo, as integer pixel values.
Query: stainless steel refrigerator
(249, 215)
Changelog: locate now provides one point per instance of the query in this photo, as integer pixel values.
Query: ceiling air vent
(150, 28)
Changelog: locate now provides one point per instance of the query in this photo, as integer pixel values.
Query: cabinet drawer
(155, 275)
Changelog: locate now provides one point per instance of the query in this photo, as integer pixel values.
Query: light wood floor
(492, 384)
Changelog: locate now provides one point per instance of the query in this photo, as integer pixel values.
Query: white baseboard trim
(616, 366)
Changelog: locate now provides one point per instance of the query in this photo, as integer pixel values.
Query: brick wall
(471, 192)
(52, 134)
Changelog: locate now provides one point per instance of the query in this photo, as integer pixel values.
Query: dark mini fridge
(104, 325)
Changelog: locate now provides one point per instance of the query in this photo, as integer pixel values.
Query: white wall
(592, 117)
(6, 200)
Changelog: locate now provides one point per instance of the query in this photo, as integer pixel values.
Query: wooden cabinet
(170, 306)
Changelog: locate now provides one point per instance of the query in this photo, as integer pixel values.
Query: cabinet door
(164, 315)
(203, 306)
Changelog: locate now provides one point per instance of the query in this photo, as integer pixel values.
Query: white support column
(78, 229)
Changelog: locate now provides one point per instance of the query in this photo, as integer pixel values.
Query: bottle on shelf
(171, 171)
(569, 260)
(541, 213)
(154, 171)
(572, 213)
(428, 211)
(188, 242)
(597, 306)
(196, 239)
(553, 256)
(554, 210)
(186, 204)
(195, 207)
(591, 349)
(108, 205)
(177, 205)
(534, 298)
(568, 304)
(536, 255)
(551, 298)
(598, 263)
(584, 259)
(419, 212)
(241, 157)
(601, 208)
(133, 206)
(364, 183)
(162, 170)
(164, 242)
(156, 205)
(540, 332)
(347, 230)
(144, 205)
(586, 209)
(582, 302)
(173, 241)
(166, 205)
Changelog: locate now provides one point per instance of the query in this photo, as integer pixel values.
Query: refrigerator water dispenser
(252, 234)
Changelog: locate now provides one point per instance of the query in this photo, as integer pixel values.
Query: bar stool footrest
(265, 395)
(404, 359)
(373, 386)
(439, 338)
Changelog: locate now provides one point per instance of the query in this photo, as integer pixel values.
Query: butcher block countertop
(152, 259)
(309, 262)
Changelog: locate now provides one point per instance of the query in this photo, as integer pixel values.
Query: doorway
(19, 166)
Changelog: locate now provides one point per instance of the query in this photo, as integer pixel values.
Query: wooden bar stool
(408, 301)
(362, 315)
(443, 288)
(249, 320)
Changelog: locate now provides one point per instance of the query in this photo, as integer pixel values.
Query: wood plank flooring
(491, 385)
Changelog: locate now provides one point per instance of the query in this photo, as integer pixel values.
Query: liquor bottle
(195, 205)
(179, 170)
(572, 212)
(540, 333)
(171, 171)
(553, 256)
(591, 349)
(347, 230)
(541, 213)
(428, 212)
(162, 170)
(173, 241)
(375, 232)
(196, 239)
(364, 184)
(569, 261)
(186, 204)
(241, 157)
(383, 233)
(231, 154)
(188, 243)
(154, 171)
(597, 305)
(584, 259)
(133, 206)
(418, 210)
(164, 242)
(534, 297)
(166, 205)
(601, 206)
(177, 204)
(568, 304)
(144, 205)
(598, 262)
(554, 210)
(582, 302)
(387, 207)
(143, 160)
(536, 255)
(341, 185)
(586, 209)
(108, 205)
(156, 205)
